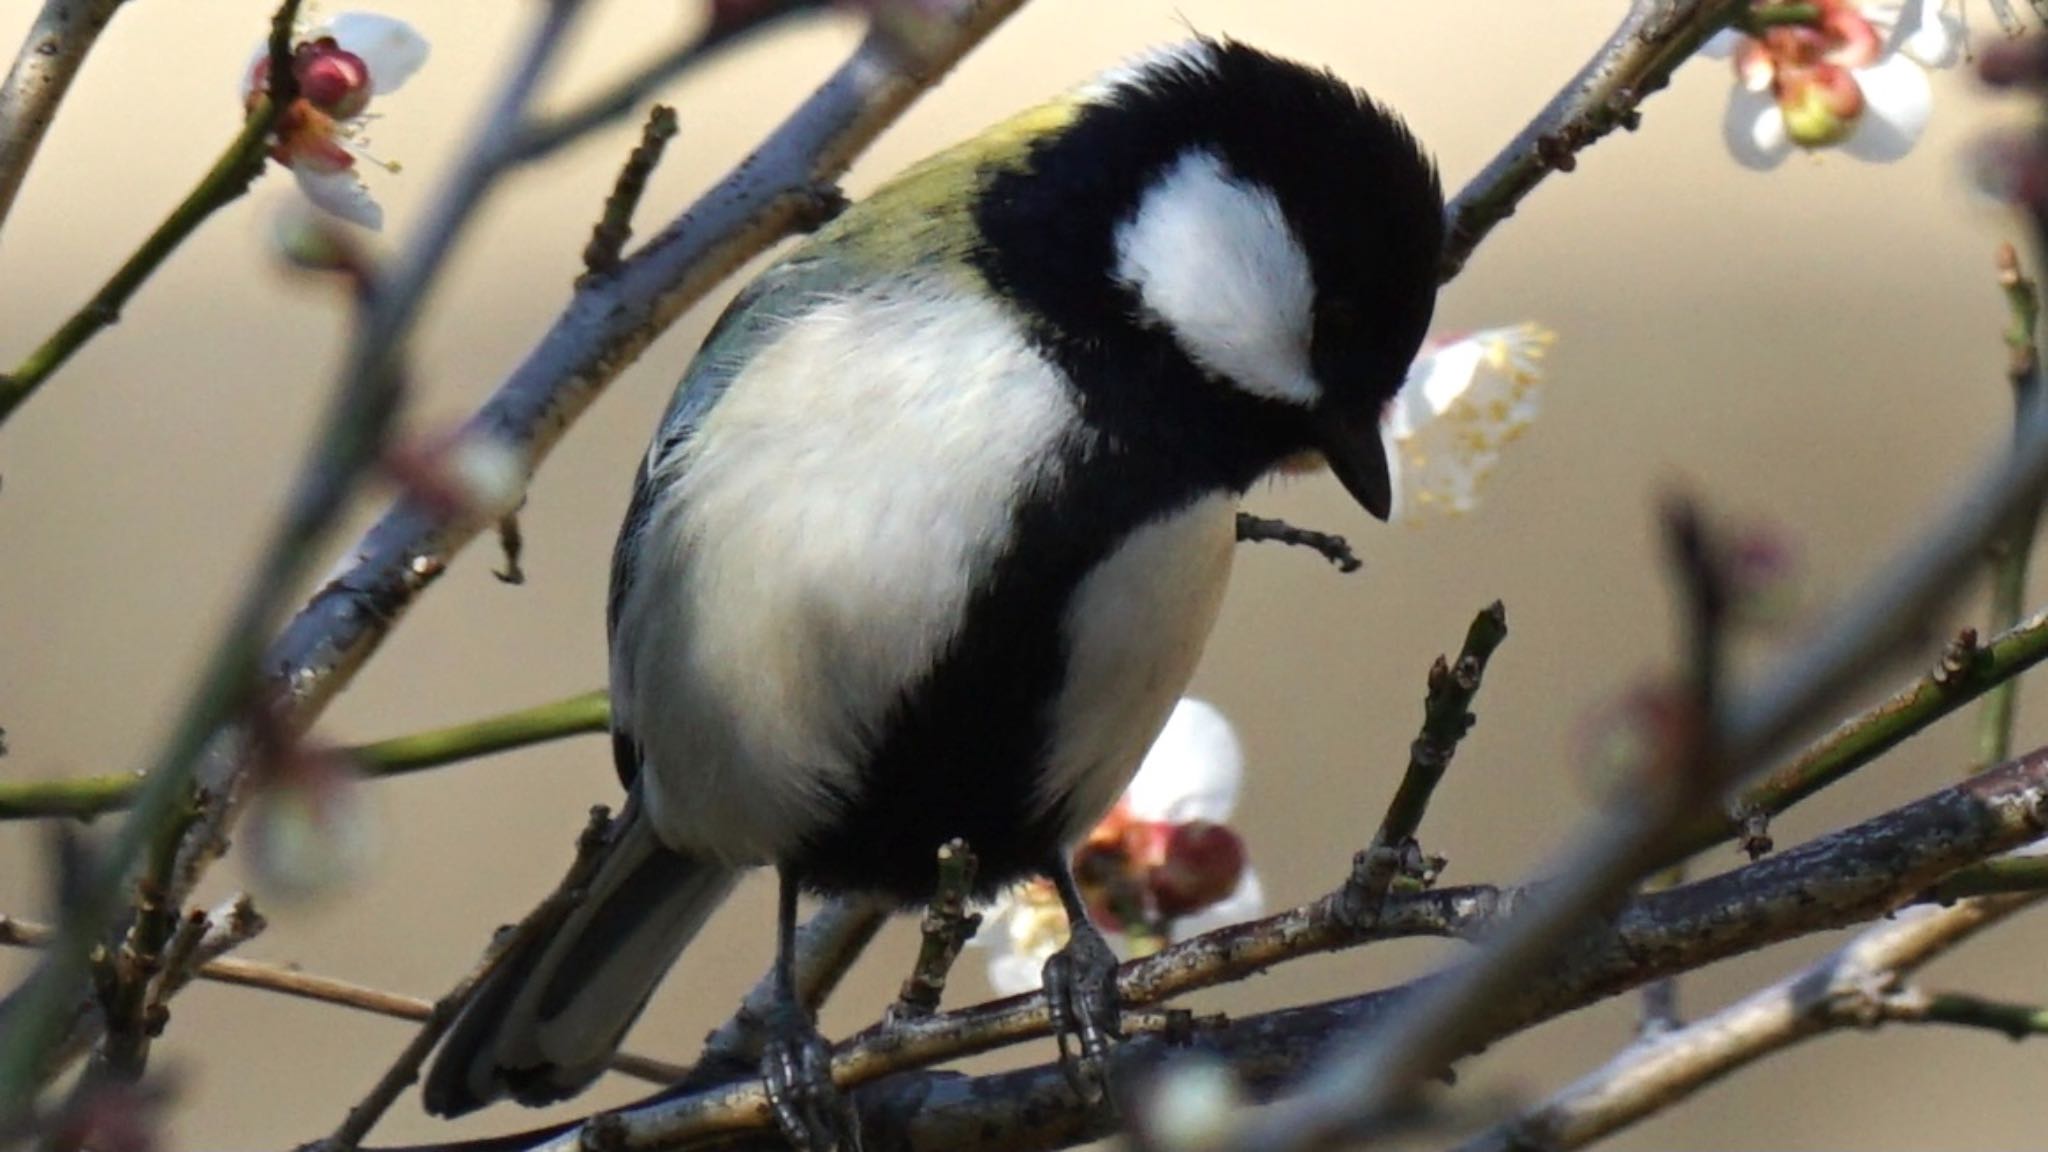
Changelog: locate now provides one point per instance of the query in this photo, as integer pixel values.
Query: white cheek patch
(1213, 259)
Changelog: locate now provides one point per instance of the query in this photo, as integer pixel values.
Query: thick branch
(50, 57)
(1845, 878)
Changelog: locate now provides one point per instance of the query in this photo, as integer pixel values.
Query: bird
(932, 534)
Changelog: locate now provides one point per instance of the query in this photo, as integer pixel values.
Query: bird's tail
(549, 1018)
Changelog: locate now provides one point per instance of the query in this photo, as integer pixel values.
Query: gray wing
(782, 293)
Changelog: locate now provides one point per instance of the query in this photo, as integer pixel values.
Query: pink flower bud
(1203, 863)
(332, 79)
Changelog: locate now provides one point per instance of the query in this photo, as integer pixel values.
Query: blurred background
(1817, 346)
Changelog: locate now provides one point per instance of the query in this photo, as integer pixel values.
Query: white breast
(816, 550)
(1135, 629)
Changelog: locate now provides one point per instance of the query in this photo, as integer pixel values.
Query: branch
(1359, 1089)
(1652, 41)
(730, 24)
(1841, 879)
(1830, 994)
(1870, 734)
(50, 57)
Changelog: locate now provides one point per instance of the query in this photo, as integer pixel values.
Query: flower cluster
(1163, 865)
(1853, 76)
(340, 67)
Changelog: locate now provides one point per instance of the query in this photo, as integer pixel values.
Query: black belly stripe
(963, 751)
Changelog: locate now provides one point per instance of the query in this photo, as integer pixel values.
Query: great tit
(938, 521)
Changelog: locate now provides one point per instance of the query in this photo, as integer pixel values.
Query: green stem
(231, 174)
(574, 716)
(1862, 739)
(1764, 17)
(89, 796)
(2004, 876)
(2015, 1021)
(2015, 548)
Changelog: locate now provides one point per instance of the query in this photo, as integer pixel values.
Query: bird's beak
(1357, 454)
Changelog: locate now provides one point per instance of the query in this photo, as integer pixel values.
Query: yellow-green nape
(926, 212)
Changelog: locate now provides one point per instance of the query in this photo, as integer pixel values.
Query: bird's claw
(796, 1069)
(1080, 992)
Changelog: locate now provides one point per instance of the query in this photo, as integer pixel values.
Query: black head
(1217, 219)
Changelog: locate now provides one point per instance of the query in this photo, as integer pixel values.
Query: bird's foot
(1080, 991)
(796, 1068)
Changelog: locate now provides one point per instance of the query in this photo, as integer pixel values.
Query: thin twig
(49, 59)
(2012, 551)
(1446, 718)
(1961, 1009)
(2004, 876)
(615, 226)
(289, 981)
(1334, 548)
(948, 925)
(231, 924)
(1863, 738)
(583, 714)
(511, 546)
(237, 167)
(731, 24)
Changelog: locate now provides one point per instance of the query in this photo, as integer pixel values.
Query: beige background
(1819, 345)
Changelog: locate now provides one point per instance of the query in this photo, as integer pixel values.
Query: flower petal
(1896, 102)
(1193, 771)
(1754, 129)
(389, 47)
(341, 193)
(1461, 406)
(1014, 974)
(1248, 902)
(1925, 30)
